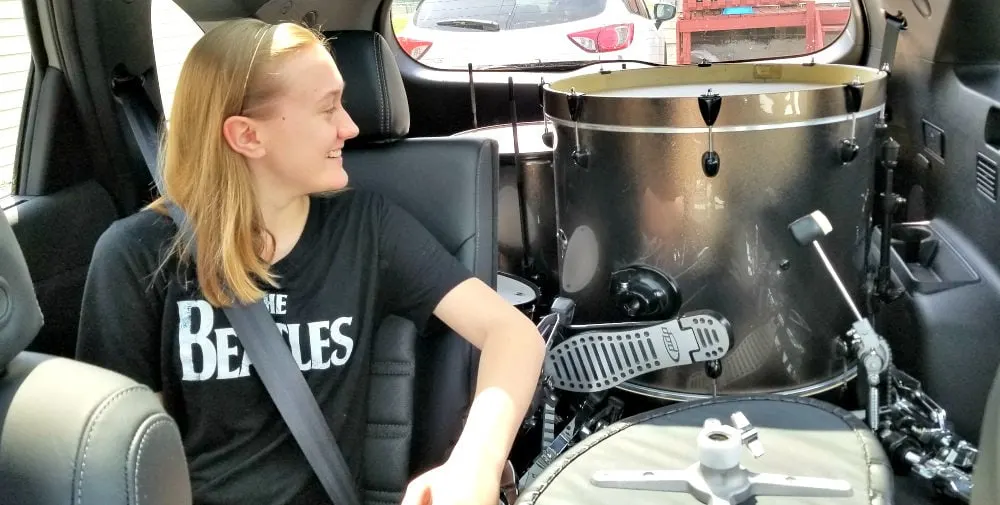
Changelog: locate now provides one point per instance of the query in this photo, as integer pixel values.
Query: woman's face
(302, 132)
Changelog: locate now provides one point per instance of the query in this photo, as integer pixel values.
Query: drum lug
(848, 150)
(547, 137)
(709, 105)
(853, 93)
(575, 103)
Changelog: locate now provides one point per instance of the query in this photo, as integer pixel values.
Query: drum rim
(534, 287)
(508, 156)
(807, 390)
(682, 74)
(738, 112)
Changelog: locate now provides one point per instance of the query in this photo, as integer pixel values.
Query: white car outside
(451, 34)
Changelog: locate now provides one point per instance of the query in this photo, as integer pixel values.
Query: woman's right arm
(121, 310)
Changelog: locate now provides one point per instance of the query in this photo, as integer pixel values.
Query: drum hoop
(531, 285)
(715, 129)
(508, 157)
(571, 100)
(544, 156)
(836, 75)
(808, 390)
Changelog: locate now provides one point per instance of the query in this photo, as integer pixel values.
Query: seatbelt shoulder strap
(289, 391)
(894, 23)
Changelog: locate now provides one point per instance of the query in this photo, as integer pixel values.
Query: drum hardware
(873, 352)
(718, 478)
(520, 293)
(550, 328)
(574, 101)
(919, 440)
(853, 93)
(645, 294)
(548, 138)
(508, 484)
(709, 105)
(472, 98)
(599, 360)
(527, 262)
(713, 369)
(890, 203)
(587, 421)
(780, 111)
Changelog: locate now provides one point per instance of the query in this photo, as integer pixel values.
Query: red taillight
(604, 39)
(414, 48)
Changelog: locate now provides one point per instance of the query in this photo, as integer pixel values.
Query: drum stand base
(918, 439)
(719, 478)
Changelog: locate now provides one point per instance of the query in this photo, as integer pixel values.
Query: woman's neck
(285, 218)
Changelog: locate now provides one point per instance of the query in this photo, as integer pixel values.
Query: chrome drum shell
(641, 196)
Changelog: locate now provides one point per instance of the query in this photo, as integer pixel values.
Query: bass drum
(633, 188)
(800, 437)
(538, 199)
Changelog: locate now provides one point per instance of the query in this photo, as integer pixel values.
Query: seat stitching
(138, 457)
(90, 434)
(379, 87)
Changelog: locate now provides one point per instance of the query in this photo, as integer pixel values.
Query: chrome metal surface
(539, 198)
(644, 198)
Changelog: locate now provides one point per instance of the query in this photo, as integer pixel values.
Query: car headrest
(20, 315)
(374, 95)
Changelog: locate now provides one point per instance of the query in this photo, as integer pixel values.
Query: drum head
(801, 437)
(529, 139)
(515, 290)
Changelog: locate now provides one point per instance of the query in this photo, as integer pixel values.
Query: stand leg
(770, 484)
(650, 480)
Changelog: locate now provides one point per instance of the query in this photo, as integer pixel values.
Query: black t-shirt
(359, 258)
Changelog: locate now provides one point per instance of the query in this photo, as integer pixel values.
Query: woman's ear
(243, 136)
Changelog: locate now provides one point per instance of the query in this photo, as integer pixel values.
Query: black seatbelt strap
(257, 331)
(893, 25)
(139, 112)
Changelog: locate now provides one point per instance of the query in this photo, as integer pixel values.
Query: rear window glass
(495, 15)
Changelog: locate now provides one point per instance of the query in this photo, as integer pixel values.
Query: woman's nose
(348, 129)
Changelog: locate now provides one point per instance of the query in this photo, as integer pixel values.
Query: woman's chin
(334, 179)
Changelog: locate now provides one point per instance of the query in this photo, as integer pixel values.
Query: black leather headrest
(374, 95)
(20, 316)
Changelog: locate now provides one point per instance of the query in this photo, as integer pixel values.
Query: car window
(451, 34)
(503, 14)
(15, 60)
(174, 34)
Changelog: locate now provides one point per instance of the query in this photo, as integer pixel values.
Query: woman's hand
(455, 483)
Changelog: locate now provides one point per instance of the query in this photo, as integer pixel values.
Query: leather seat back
(72, 432)
(450, 186)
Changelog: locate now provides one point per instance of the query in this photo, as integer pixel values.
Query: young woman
(253, 157)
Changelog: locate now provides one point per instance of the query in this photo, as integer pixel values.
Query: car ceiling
(331, 14)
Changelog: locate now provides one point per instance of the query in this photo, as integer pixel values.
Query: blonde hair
(231, 70)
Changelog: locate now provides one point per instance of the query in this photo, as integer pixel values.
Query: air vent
(986, 177)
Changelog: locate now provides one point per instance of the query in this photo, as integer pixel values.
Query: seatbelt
(893, 25)
(256, 330)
